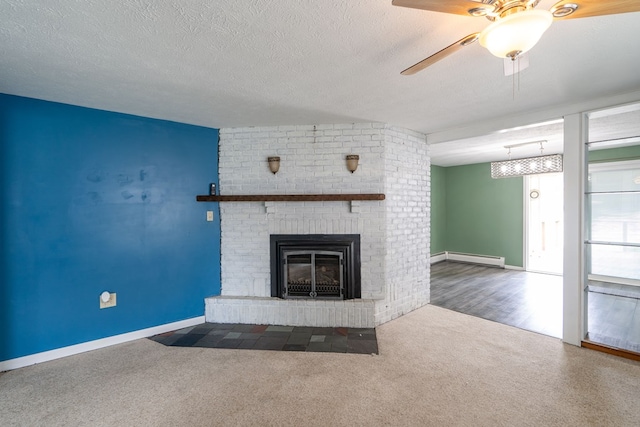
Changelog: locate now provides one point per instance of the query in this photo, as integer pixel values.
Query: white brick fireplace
(394, 233)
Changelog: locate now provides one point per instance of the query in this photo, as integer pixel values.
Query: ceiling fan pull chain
(518, 73)
(513, 82)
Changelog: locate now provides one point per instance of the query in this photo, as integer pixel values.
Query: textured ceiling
(231, 63)
(616, 123)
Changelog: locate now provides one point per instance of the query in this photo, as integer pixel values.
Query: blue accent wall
(94, 201)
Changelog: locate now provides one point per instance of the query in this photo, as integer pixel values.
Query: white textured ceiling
(232, 63)
(621, 123)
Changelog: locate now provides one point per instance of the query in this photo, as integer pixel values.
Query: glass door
(313, 274)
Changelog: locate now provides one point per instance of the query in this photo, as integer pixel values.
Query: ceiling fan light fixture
(562, 10)
(469, 39)
(480, 11)
(515, 34)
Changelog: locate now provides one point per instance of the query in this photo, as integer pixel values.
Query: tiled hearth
(394, 232)
(273, 337)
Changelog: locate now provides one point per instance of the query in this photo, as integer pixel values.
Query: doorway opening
(544, 223)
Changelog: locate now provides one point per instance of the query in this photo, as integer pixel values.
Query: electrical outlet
(107, 302)
(209, 216)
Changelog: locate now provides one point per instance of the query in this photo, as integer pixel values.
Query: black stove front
(315, 266)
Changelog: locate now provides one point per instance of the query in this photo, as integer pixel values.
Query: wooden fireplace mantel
(290, 197)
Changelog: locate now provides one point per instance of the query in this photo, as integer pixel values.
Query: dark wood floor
(533, 301)
(530, 301)
(614, 315)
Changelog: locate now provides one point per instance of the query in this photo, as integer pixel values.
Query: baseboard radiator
(495, 261)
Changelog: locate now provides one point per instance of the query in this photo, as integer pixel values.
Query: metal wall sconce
(352, 162)
(274, 164)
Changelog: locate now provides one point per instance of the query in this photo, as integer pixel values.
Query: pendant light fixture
(528, 165)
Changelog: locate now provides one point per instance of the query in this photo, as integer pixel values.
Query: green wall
(482, 215)
(613, 154)
(473, 213)
(438, 209)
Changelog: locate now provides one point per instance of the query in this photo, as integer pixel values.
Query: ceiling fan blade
(452, 48)
(587, 8)
(457, 7)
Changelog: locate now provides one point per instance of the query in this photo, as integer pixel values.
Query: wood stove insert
(315, 266)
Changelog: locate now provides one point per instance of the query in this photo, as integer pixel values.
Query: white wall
(311, 162)
(407, 188)
(394, 232)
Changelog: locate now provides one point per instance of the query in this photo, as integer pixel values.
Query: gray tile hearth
(273, 337)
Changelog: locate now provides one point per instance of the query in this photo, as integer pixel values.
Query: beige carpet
(436, 367)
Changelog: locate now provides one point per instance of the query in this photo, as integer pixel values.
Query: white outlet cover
(105, 296)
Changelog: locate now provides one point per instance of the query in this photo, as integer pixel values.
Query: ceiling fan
(516, 24)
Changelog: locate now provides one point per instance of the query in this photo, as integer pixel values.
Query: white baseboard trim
(496, 261)
(58, 353)
(611, 279)
(513, 267)
(442, 256)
